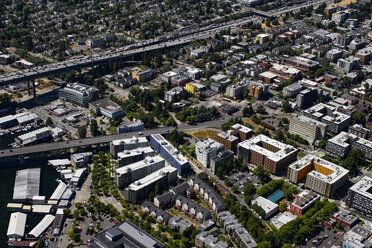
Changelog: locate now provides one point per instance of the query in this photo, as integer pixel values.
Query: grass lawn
(204, 133)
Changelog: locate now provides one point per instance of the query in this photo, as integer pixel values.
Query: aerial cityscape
(186, 123)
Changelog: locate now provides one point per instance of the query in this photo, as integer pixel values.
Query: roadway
(170, 40)
(45, 147)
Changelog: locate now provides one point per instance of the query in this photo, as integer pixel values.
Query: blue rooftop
(276, 196)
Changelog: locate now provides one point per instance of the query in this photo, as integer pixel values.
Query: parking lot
(324, 237)
(239, 179)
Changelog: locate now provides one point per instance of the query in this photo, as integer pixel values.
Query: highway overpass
(121, 54)
(47, 147)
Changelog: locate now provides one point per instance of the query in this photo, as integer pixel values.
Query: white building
(117, 146)
(207, 149)
(268, 206)
(17, 225)
(128, 174)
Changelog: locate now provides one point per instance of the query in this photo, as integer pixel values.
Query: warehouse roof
(27, 184)
(43, 224)
(17, 224)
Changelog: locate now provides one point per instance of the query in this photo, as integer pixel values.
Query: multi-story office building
(336, 121)
(257, 89)
(241, 131)
(81, 159)
(236, 90)
(359, 195)
(206, 149)
(348, 64)
(125, 234)
(341, 144)
(140, 190)
(107, 108)
(121, 145)
(171, 154)
(135, 125)
(135, 155)
(285, 72)
(359, 130)
(365, 55)
(302, 202)
(128, 174)
(321, 175)
(303, 64)
(171, 94)
(207, 193)
(229, 141)
(80, 94)
(306, 97)
(309, 129)
(292, 90)
(223, 155)
(272, 154)
(334, 54)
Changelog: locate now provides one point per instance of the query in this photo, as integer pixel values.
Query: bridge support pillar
(28, 88)
(34, 88)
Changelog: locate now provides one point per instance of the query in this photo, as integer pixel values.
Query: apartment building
(241, 131)
(285, 72)
(207, 149)
(229, 141)
(193, 209)
(365, 55)
(347, 65)
(207, 194)
(303, 64)
(140, 190)
(341, 144)
(321, 175)
(236, 90)
(336, 121)
(135, 155)
(128, 174)
(359, 195)
(257, 89)
(302, 202)
(359, 130)
(222, 156)
(121, 145)
(171, 154)
(272, 154)
(307, 128)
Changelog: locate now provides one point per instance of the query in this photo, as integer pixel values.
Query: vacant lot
(204, 133)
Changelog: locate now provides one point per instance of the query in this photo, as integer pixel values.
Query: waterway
(48, 184)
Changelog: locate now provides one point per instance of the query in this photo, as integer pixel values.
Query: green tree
(93, 128)
(354, 159)
(248, 111)
(286, 108)
(82, 132)
(358, 117)
(282, 206)
(48, 122)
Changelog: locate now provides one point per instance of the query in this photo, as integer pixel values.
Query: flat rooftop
(133, 140)
(27, 184)
(265, 204)
(227, 136)
(254, 144)
(241, 128)
(363, 187)
(106, 104)
(153, 177)
(334, 171)
(139, 150)
(171, 150)
(140, 164)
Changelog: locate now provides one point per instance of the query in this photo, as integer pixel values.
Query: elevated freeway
(46, 147)
(170, 40)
